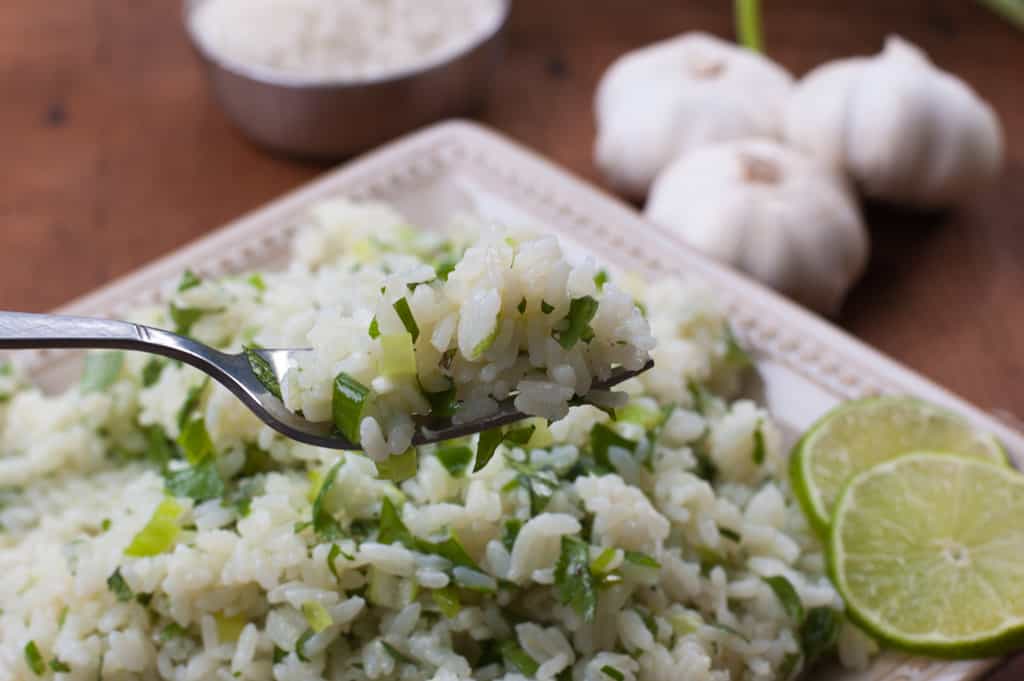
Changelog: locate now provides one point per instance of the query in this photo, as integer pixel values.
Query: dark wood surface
(114, 153)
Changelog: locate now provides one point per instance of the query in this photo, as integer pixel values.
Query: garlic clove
(784, 218)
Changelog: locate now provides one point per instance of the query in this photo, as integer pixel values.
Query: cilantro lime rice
(152, 528)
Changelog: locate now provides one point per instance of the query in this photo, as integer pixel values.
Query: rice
(348, 39)
(627, 550)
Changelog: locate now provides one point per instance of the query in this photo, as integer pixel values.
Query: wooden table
(115, 154)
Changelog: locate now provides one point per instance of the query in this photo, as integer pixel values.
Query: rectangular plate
(805, 364)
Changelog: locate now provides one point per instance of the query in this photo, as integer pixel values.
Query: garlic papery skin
(904, 130)
(667, 98)
(781, 216)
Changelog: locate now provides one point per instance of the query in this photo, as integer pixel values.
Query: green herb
(316, 616)
(735, 355)
(159, 449)
(759, 448)
(408, 321)
(600, 564)
(143, 599)
(325, 525)
(397, 654)
(445, 267)
(581, 312)
(240, 496)
(195, 441)
(787, 595)
(455, 458)
(818, 633)
(300, 645)
(256, 281)
(520, 436)
(729, 630)
(101, 370)
(509, 532)
(188, 280)
(789, 666)
(648, 419)
(443, 404)
(450, 549)
(706, 468)
(348, 404)
(447, 601)
(63, 617)
(119, 587)
(200, 482)
(486, 445)
(374, 330)
(699, 396)
(602, 438)
(264, 372)
(612, 673)
(392, 529)
(159, 534)
(642, 559)
(105, 525)
(600, 279)
(152, 370)
(573, 579)
(34, 659)
(731, 535)
(522, 306)
(172, 631)
(516, 657)
(191, 403)
(546, 308)
(278, 655)
(332, 556)
(184, 318)
(748, 25)
(540, 485)
(58, 666)
(399, 467)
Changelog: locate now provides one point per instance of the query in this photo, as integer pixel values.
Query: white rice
(236, 592)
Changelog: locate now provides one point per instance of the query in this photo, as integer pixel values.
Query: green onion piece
(229, 629)
(600, 564)
(455, 458)
(574, 582)
(374, 330)
(159, 534)
(349, 402)
(195, 441)
(256, 281)
(612, 673)
(819, 633)
(58, 666)
(581, 312)
(759, 447)
(603, 438)
(485, 446)
(101, 370)
(34, 659)
(641, 559)
(600, 279)
(300, 645)
(517, 658)
(392, 529)
(119, 587)
(546, 308)
(408, 320)
(447, 601)
(264, 372)
(325, 524)
(397, 355)
(200, 482)
(399, 467)
(188, 280)
(152, 370)
(748, 24)
(787, 595)
(316, 616)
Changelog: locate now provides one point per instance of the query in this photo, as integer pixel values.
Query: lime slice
(927, 551)
(857, 435)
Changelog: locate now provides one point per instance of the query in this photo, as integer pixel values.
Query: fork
(21, 330)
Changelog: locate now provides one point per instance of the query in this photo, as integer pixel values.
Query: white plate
(806, 365)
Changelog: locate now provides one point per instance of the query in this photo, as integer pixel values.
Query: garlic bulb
(672, 96)
(905, 130)
(782, 217)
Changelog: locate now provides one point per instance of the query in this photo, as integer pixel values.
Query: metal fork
(20, 330)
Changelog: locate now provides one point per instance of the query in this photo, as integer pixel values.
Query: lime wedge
(927, 551)
(857, 435)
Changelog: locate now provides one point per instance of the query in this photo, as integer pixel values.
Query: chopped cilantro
(517, 658)
(34, 659)
(573, 580)
(509, 532)
(787, 595)
(442, 404)
(546, 308)
(486, 445)
(152, 370)
(642, 560)
(759, 448)
(374, 330)
(522, 306)
(263, 372)
(581, 312)
(602, 438)
(300, 645)
(396, 654)
(256, 281)
(199, 482)
(119, 587)
(447, 601)
(600, 279)
(58, 666)
(195, 441)
(191, 403)
(818, 633)
(101, 370)
(172, 631)
(399, 467)
(325, 524)
(455, 458)
(188, 280)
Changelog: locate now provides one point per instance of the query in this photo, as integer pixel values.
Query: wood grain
(115, 153)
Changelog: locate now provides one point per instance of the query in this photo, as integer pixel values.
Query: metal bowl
(332, 119)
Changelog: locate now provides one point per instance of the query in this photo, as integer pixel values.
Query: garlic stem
(748, 24)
